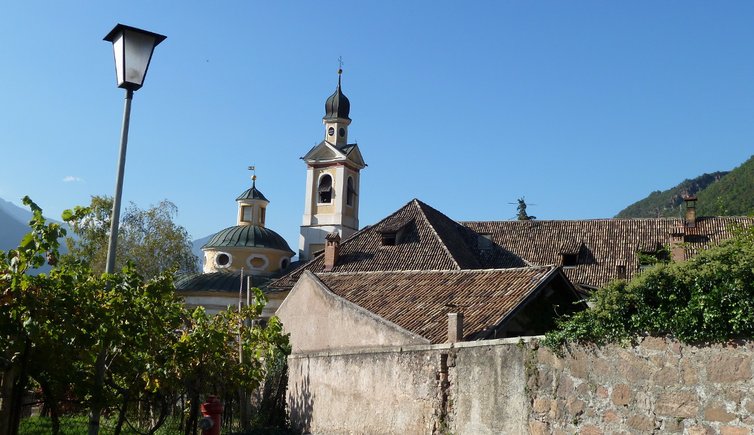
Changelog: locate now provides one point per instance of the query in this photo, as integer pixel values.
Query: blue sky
(581, 107)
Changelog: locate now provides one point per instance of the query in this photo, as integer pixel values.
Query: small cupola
(252, 206)
(337, 105)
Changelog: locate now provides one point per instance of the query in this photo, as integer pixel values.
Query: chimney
(332, 246)
(455, 327)
(677, 237)
(690, 210)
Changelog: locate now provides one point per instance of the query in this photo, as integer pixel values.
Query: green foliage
(709, 298)
(733, 195)
(77, 424)
(56, 327)
(149, 239)
(661, 255)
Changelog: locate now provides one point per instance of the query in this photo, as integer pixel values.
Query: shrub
(709, 298)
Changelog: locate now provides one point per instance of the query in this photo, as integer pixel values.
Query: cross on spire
(340, 68)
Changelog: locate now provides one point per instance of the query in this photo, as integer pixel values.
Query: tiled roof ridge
(665, 218)
(358, 233)
(549, 268)
(305, 265)
(421, 206)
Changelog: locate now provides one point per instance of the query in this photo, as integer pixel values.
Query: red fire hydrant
(212, 410)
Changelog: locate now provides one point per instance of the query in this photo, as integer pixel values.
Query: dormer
(392, 234)
(569, 253)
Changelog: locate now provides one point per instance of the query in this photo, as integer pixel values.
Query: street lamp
(133, 50)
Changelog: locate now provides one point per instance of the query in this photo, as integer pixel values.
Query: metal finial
(340, 68)
(254, 175)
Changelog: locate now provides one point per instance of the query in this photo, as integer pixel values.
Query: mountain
(733, 195)
(719, 194)
(196, 248)
(11, 230)
(13, 224)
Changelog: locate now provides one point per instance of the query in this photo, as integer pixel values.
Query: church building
(244, 254)
(332, 180)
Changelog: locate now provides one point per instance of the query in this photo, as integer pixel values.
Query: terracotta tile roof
(602, 245)
(429, 240)
(425, 240)
(420, 301)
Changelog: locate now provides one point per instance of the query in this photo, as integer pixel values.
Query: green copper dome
(248, 236)
(222, 281)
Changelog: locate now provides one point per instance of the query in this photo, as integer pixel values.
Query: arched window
(325, 189)
(350, 192)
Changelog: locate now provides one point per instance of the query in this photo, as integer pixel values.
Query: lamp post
(133, 50)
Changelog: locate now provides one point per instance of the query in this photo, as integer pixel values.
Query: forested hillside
(733, 195)
(719, 194)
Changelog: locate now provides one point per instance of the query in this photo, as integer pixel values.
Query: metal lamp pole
(133, 50)
(115, 219)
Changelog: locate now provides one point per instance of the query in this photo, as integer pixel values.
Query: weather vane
(253, 169)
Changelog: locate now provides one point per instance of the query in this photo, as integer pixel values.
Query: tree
(17, 325)
(709, 298)
(149, 239)
(54, 327)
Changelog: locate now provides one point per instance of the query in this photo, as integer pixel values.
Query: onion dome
(248, 236)
(337, 105)
(253, 192)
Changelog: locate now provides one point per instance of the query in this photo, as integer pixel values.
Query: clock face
(330, 131)
(342, 132)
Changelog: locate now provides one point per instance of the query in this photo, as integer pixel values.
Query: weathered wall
(658, 386)
(380, 392)
(508, 386)
(466, 388)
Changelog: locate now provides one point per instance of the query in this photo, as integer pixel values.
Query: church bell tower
(332, 180)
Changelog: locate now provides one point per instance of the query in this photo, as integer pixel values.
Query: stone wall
(515, 386)
(657, 386)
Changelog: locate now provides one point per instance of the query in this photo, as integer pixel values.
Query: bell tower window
(350, 192)
(325, 189)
